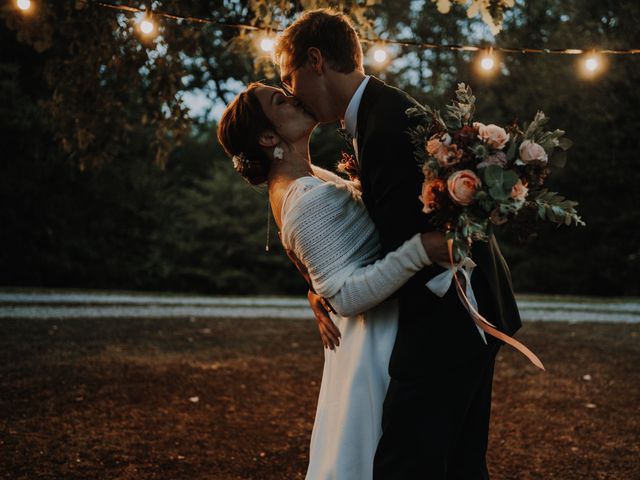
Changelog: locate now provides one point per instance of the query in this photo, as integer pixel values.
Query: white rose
(531, 152)
(493, 135)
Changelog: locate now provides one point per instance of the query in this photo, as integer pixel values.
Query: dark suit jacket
(391, 182)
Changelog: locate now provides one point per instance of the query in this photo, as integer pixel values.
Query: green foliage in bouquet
(478, 175)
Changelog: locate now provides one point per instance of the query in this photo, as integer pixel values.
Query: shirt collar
(350, 122)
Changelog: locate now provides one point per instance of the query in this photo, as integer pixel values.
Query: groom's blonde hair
(329, 31)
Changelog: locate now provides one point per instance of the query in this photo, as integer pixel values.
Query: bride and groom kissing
(406, 385)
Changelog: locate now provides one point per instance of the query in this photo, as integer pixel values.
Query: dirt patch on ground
(117, 399)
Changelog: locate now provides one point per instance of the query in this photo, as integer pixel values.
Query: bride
(327, 232)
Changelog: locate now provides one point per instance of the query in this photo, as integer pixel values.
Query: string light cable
(380, 55)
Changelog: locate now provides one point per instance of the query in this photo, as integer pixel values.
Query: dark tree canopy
(106, 181)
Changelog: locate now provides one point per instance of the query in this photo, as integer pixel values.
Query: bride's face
(287, 114)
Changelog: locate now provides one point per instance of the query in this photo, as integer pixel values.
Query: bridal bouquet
(478, 175)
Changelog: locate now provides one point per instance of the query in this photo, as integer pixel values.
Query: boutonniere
(349, 166)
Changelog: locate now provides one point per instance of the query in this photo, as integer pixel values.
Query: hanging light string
(404, 43)
(158, 13)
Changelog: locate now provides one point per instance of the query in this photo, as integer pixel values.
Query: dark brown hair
(330, 32)
(240, 126)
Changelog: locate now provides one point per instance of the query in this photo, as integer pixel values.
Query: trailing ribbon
(440, 285)
(468, 300)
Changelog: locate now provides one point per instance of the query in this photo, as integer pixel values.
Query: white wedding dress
(326, 225)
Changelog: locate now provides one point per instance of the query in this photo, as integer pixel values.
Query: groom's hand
(435, 244)
(329, 333)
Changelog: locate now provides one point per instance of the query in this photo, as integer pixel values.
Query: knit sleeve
(370, 285)
(331, 234)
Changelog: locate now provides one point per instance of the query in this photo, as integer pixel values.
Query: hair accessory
(240, 162)
(278, 153)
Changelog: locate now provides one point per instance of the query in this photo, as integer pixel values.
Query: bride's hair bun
(242, 122)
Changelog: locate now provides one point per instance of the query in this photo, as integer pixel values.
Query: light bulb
(487, 63)
(380, 55)
(591, 64)
(147, 27)
(24, 4)
(267, 44)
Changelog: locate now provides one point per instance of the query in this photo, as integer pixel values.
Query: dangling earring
(266, 247)
(278, 153)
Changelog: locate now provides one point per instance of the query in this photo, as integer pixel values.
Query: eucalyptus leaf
(558, 159)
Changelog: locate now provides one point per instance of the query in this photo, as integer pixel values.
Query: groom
(436, 411)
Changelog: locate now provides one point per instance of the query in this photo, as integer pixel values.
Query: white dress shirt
(350, 122)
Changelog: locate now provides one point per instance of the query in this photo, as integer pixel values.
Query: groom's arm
(395, 182)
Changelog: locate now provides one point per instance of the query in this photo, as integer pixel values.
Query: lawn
(235, 399)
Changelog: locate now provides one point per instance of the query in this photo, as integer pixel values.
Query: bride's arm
(370, 285)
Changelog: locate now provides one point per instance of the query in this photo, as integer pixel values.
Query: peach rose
(531, 152)
(433, 146)
(493, 135)
(519, 192)
(430, 190)
(462, 186)
(437, 142)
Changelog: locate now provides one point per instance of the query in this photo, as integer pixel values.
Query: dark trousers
(436, 427)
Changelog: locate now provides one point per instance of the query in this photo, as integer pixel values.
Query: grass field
(180, 398)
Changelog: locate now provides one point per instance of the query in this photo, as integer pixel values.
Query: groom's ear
(268, 139)
(316, 60)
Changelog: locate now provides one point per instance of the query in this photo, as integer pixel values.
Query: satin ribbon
(441, 283)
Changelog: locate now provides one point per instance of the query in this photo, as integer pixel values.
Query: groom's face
(308, 86)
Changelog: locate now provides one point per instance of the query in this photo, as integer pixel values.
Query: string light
(487, 62)
(407, 43)
(24, 5)
(380, 55)
(147, 26)
(592, 65)
(267, 44)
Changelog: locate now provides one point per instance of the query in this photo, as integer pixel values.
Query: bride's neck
(295, 164)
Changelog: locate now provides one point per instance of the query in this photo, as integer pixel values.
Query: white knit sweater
(326, 225)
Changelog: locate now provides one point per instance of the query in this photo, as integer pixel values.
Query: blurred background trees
(107, 180)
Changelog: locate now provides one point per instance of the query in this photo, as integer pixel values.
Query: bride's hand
(329, 333)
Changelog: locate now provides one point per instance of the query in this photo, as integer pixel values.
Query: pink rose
(531, 152)
(429, 196)
(493, 135)
(519, 192)
(462, 186)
